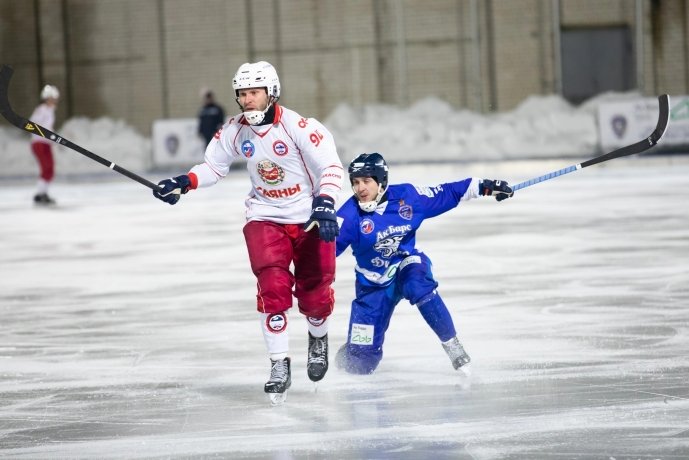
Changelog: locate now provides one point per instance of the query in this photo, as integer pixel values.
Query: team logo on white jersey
(280, 148)
(276, 323)
(270, 173)
(366, 226)
(248, 148)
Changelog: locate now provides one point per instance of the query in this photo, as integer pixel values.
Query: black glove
(170, 189)
(500, 189)
(323, 215)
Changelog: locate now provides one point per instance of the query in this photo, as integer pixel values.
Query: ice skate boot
(457, 355)
(280, 380)
(42, 199)
(317, 361)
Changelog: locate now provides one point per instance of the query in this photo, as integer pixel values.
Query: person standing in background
(44, 115)
(211, 117)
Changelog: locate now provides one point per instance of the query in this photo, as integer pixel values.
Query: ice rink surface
(128, 327)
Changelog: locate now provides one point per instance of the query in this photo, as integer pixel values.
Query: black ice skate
(456, 352)
(42, 199)
(317, 361)
(280, 380)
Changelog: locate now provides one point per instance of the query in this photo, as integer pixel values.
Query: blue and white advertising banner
(626, 122)
(176, 142)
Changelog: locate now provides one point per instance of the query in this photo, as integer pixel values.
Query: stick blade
(663, 119)
(5, 108)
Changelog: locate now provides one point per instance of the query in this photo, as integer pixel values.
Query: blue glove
(323, 215)
(500, 189)
(171, 189)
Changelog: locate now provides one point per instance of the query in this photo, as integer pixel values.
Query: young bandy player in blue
(379, 222)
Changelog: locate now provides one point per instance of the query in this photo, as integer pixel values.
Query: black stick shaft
(632, 149)
(34, 128)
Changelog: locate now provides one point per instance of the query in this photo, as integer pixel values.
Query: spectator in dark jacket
(211, 117)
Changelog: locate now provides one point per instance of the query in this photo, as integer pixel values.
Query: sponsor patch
(430, 192)
(270, 173)
(248, 148)
(280, 148)
(276, 323)
(362, 334)
(366, 226)
(315, 321)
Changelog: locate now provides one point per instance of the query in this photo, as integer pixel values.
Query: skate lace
(278, 372)
(317, 352)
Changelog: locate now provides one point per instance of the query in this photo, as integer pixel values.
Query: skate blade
(315, 387)
(277, 399)
(465, 371)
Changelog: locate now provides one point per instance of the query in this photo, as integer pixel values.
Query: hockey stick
(34, 128)
(643, 145)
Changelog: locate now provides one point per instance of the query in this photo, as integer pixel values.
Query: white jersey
(43, 115)
(289, 162)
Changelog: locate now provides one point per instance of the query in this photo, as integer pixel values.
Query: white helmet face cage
(50, 92)
(257, 75)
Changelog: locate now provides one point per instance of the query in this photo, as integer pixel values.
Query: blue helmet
(370, 165)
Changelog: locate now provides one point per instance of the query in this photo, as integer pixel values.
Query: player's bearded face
(253, 99)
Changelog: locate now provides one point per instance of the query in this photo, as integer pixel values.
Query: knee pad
(275, 332)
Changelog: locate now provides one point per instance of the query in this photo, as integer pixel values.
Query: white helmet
(257, 75)
(49, 92)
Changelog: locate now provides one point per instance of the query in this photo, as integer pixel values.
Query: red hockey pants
(272, 248)
(44, 156)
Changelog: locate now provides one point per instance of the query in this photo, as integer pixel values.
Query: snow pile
(429, 130)
(540, 127)
(111, 139)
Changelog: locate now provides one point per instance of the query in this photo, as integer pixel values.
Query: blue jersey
(381, 239)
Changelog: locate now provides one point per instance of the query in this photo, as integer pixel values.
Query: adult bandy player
(296, 175)
(380, 222)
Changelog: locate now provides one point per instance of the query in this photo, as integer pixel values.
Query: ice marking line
(637, 391)
(659, 394)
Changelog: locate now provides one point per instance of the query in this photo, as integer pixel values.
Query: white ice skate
(459, 358)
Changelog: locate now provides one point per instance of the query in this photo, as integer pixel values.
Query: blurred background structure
(142, 60)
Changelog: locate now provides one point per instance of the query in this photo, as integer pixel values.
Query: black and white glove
(500, 189)
(171, 189)
(323, 215)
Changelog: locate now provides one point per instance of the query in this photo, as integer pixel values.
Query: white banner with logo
(176, 142)
(626, 122)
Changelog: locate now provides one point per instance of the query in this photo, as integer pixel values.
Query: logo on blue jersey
(387, 247)
(405, 211)
(366, 226)
(248, 148)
